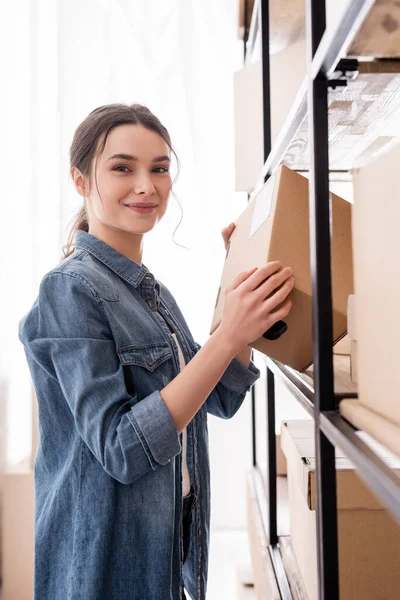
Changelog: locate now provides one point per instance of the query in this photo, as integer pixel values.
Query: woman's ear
(79, 182)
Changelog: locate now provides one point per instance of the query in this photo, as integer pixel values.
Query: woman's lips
(142, 209)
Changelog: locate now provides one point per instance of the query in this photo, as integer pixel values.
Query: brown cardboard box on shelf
(368, 537)
(17, 542)
(376, 243)
(17, 520)
(378, 427)
(241, 16)
(286, 22)
(275, 226)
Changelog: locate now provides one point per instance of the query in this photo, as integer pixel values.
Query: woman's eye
(123, 167)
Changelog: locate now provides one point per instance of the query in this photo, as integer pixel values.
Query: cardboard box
(17, 522)
(275, 226)
(376, 242)
(371, 423)
(17, 544)
(287, 71)
(241, 16)
(368, 537)
(286, 22)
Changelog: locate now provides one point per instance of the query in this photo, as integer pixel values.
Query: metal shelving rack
(326, 68)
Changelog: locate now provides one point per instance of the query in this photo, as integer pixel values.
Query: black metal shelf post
(320, 259)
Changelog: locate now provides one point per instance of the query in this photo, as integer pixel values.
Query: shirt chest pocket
(147, 367)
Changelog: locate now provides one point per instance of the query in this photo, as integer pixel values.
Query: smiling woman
(122, 473)
(126, 152)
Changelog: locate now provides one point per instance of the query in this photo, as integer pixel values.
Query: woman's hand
(255, 301)
(226, 234)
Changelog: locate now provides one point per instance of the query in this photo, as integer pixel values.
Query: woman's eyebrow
(129, 157)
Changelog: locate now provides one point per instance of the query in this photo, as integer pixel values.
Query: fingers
(268, 287)
(281, 313)
(240, 278)
(261, 274)
(226, 234)
(227, 231)
(280, 295)
(230, 227)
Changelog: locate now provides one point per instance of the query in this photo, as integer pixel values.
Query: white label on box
(262, 205)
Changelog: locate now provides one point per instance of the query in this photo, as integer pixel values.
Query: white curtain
(62, 60)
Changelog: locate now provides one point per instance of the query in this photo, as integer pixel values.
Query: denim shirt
(108, 468)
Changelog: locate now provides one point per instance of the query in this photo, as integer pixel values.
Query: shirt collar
(127, 268)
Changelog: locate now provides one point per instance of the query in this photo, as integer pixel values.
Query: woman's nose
(143, 185)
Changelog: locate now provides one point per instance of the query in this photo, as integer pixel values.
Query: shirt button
(148, 361)
(151, 303)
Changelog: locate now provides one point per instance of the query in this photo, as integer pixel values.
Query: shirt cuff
(239, 378)
(156, 429)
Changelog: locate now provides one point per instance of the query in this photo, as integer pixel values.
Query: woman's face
(134, 168)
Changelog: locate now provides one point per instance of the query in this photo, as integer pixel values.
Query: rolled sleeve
(230, 392)
(239, 378)
(156, 429)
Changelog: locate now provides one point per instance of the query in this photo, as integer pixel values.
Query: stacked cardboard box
(376, 243)
(368, 537)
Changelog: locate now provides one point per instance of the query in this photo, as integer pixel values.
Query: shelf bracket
(346, 70)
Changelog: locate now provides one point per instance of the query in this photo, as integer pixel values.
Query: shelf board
(363, 119)
(301, 385)
(263, 555)
(292, 569)
(372, 468)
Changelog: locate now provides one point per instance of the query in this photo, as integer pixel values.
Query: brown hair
(90, 139)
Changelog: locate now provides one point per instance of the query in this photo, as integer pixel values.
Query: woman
(122, 467)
